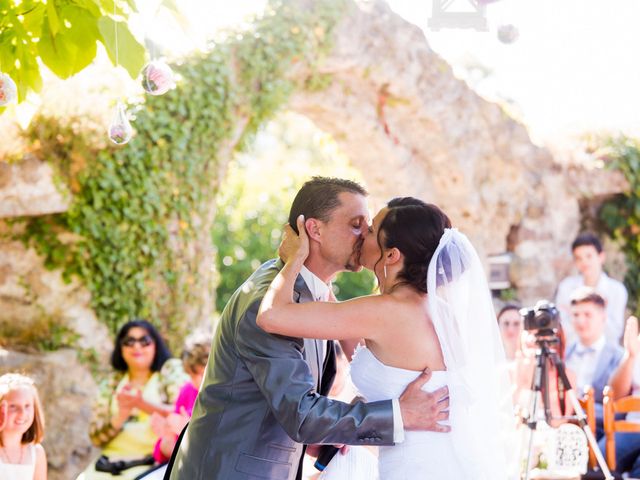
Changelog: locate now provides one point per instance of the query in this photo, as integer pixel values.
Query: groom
(262, 398)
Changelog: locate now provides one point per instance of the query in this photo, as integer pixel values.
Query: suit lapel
(328, 369)
(312, 348)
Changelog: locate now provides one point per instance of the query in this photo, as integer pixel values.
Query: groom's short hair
(318, 198)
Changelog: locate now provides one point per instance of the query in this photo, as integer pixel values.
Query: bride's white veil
(464, 319)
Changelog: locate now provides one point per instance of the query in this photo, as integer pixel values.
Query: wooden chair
(611, 425)
(588, 404)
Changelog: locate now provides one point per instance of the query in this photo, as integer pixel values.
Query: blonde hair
(196, 351)
(14, 381)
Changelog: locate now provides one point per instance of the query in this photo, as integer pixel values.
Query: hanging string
(115, 26)
(120, 130)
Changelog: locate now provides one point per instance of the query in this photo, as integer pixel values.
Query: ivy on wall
(621, 214)
(131, 203)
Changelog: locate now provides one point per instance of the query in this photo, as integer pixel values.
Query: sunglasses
(143, 341)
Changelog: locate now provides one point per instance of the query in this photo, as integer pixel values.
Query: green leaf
(92, 5)
(33, 20)
(74, 47)
(132, 5)
(131, 54)
(113, 7)
(52, 18)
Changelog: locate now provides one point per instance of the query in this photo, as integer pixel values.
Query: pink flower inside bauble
(157, 78)
(8, 90)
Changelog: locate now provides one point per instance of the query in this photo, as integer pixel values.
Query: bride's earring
(384, 269)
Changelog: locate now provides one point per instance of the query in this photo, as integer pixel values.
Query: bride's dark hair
(415, 228)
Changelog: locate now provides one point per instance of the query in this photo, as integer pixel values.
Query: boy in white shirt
(589, 258)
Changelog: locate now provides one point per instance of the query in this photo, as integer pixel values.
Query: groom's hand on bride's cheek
(424, 410)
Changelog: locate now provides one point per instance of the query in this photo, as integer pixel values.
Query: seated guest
(511, 328)
(145, 381)
(626, 381)
(592, 357)
(194, 360)
(21, 430)
(589, 258)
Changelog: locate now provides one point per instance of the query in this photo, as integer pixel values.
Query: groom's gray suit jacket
(259, 402)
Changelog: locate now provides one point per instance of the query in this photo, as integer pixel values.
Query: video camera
(543, 320)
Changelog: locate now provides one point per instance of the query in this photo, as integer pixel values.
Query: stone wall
(413, 128)
(32, 298)
(28, 187)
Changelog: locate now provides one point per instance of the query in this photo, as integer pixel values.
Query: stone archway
(413, 128)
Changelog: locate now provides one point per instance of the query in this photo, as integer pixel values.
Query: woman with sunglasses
(146, 381)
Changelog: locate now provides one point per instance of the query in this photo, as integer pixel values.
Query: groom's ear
(313, 228)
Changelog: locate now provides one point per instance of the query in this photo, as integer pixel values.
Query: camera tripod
(540, 383)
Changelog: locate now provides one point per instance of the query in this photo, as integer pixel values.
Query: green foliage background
(621, 215)
(64, 35)
(255, 201)
(131, 203)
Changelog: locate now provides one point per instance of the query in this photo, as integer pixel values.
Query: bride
(434, 310)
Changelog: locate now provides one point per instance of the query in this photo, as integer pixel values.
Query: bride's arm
(358, 318)
(348, 345)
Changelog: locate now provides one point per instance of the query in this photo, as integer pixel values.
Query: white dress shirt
(614, 293)
(584, 361)
(320, 292)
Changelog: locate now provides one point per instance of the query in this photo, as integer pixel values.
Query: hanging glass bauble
(8, 90)
(157, 78)
(120, 130)
(508, 33)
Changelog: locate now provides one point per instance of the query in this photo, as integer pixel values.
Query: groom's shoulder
(263, 275)
(256, 285)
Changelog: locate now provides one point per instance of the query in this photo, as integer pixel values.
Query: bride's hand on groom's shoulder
(294, 246)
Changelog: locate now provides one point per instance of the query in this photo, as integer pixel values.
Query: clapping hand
(294, 246)
(172, 424)
(159, 425)
(128, 398)
(177, 421)
(631, 339)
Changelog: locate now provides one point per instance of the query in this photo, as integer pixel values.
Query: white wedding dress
(480, 413)
(422, 455)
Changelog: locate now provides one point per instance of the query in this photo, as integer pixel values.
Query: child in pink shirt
(194, 360)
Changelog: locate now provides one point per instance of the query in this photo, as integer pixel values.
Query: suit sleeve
(284, 378)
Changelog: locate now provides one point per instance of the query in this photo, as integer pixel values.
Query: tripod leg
(532, 426)
(582, 419)
(581, 416)
(539, 376)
